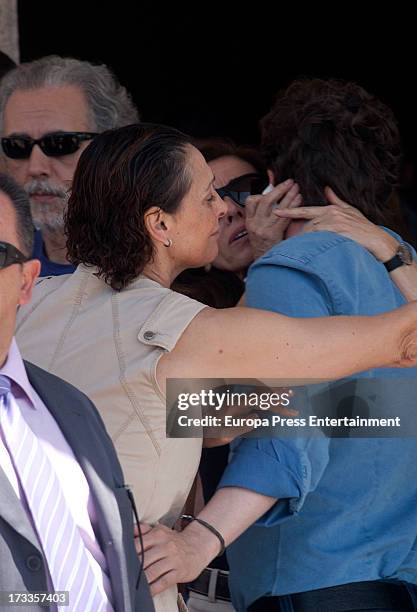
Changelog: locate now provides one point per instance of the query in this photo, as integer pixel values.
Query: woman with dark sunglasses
(239, 172)
(116, 330)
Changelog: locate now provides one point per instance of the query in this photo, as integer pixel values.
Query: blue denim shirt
(347, 508)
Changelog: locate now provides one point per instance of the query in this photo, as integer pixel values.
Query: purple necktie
(68, 560)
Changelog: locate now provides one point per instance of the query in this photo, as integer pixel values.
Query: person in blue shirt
(343, 535)
(334, 520)
(50, 109)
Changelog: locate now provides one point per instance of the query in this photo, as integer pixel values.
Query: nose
(39, 164)
(221, 207)
(232, 210)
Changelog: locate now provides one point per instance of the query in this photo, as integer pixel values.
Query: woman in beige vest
(143, 208)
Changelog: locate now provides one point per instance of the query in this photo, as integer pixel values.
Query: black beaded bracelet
(190, 517)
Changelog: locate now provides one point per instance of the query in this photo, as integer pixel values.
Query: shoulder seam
(307, 258)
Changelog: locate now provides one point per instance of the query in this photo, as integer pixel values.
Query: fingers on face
(290, 201)
(279, 191)
(251, 205)
(287, 190)
(292, 193)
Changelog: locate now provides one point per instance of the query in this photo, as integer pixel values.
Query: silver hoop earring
(168, 243)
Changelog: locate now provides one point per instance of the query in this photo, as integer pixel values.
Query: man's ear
(271, 177)
(156, 221)
(30, 272)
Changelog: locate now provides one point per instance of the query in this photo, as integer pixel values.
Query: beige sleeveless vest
(108, 344)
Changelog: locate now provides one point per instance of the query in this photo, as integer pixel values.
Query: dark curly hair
(119, 176)
(334, 133)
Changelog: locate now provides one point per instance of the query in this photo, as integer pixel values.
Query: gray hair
(110, 105)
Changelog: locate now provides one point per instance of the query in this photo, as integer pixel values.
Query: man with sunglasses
(53, 443)
(50, 109)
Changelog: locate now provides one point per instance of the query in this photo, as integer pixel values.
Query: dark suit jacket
(22, 566)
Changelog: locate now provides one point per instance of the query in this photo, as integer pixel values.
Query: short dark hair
(119, 176)
(20, 201)
(329, 132)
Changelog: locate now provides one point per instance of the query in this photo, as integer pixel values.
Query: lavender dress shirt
(76, 489)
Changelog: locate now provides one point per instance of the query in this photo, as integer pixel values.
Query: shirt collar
(14, 368)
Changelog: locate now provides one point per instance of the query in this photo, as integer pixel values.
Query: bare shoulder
(213, 323)
(212, 328)
(214, 342)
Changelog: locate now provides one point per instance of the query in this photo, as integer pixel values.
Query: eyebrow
(17, 135)
(25, 135)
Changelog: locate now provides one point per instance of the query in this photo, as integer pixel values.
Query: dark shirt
(48, 267)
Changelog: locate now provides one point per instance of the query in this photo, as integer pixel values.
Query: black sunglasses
(53, 145)
(10, 255)
(243, 186)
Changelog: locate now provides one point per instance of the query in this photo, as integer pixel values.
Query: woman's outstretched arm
(250, 343)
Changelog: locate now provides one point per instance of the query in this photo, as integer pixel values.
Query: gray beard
(48, 217)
